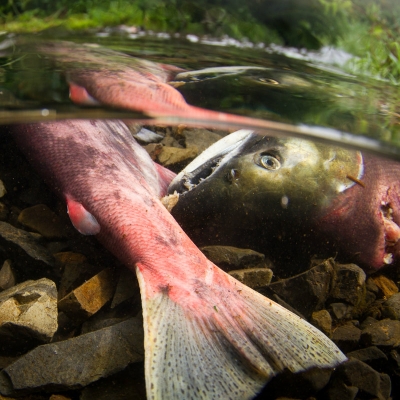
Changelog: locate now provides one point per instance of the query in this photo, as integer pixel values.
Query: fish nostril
(233, 175)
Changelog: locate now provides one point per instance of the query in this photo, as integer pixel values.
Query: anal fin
(225, 342)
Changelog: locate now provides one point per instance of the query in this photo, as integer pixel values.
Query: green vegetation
(366, 28)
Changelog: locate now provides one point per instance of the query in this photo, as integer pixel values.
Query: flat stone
(127, 384)
(391, 307)
(386, 285)
(28, 314)
(372, 356)
(323, 321)
(4, 211)
(346, 337)
(348, 284)
(200, 138)
(385, 333)
(154, 150)
(172, 157)
(77, 362)
(341, 310)
(41, 219)
(308, 291)
(26, 242)
(75, 273)
(3, 190)
(298, 386)
(127, 287)
(90, 297)
(253, 277)
(355, 373)
(7, 277)
(231, 258)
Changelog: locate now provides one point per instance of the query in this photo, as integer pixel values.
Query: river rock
(127, 384)
(357, 378)
(7, 276)
(200, 138)
(391, 307)
(41, 219)
(231, 258)
(323, 321)
(372, 356)
(253, 277)
(308, 291)
(127, 287)
(341, 311)
(90, 297)
(174, 158)
(76, 362)
(28, 314)
(384, 334)
(25, 242)
(386, 285)
(3, 190)
(348, 284)
(4, 211)
(347, 337)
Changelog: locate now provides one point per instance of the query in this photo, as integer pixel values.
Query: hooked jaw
(391, 231)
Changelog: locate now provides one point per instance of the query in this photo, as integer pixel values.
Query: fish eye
(269, 161)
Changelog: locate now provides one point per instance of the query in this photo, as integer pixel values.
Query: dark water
(308, 99)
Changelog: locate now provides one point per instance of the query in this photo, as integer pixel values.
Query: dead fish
(289, 191)
(207, 336)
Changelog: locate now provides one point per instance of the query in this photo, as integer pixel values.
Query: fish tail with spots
(221, 339)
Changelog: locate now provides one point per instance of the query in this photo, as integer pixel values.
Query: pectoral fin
(83, 220)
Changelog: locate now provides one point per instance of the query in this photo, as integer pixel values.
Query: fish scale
(207, 336)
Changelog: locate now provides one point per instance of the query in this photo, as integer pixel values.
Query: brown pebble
(66, 257)
(253, 277)
(388, 287)
(41, 219)
(90, 297)
(323, 321)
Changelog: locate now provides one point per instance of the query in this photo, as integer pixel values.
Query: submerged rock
(7, 276)
(90, 297)
(76, 362)
(231, 258)
(24, 241)
(28, 315)
(253, 277)
(41, 219)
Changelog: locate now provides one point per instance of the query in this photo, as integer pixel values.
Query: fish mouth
(204, 166)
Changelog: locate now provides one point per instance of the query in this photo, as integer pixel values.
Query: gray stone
(323, 321)
(341, 311)
(3, 190)
(307, 292)
(127, 287)
(172, 157)
(41, 219)
(125, 385)
(76, 362)
(28, 314)
(372, 356)
(356, 374)
(4, 211)
(253, 277)
(346, 337)
(391, 307)
(26, 242)
(385, 333)
(349, 284)
(7, 277)
(231, 258)
(200, 138)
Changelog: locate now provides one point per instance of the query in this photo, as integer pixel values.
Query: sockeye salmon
(207, 336)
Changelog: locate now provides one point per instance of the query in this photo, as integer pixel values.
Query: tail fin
(223, 340)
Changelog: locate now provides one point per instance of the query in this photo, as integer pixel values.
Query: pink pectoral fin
(165, 177)
(83, 221)
(79, 95)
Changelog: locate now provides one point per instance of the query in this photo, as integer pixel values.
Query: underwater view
(252, 191)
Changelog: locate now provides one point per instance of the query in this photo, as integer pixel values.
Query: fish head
(257, 178)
